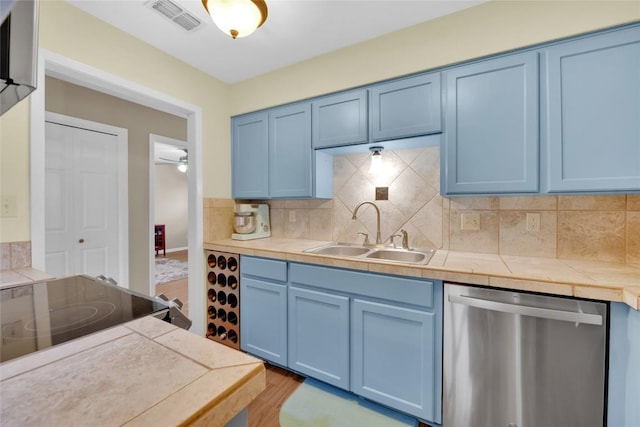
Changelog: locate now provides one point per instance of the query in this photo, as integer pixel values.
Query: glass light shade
(238, 18)
(376, 162)
(182, 167)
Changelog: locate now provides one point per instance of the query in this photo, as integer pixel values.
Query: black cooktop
(43, 314)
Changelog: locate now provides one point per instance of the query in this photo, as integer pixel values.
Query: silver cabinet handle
(545, 313)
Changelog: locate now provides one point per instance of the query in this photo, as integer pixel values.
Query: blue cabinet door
(263, 319)
(593, 107)
(340, 119)
(319, 335)
(396, 358)
(405, 107)
(250, 160)
(492, 127)
(290, 151)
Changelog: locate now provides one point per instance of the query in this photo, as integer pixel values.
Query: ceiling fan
(182, 161)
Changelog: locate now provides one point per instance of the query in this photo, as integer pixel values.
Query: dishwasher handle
(545, 313)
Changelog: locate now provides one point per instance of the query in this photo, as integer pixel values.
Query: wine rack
(223, 298)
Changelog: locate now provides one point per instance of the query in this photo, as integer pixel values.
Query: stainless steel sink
(351, 250)
(402, 255)
(340, 250)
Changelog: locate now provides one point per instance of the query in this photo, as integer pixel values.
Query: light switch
(8, 207)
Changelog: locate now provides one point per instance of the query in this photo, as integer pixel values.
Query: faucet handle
(405, 239)
(366, 237)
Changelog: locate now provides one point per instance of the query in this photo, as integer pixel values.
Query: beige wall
(486, 29)
(171, 205)
(67, 31)
(71, 100)
(482, 30)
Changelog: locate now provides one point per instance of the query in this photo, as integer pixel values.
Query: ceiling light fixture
(183, 165)
(238, 18)
(376, 159)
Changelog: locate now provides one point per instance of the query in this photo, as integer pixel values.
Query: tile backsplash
(601, 227)
(15, 255)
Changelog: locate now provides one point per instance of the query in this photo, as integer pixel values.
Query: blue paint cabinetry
(491, 136)
(376, 335)
(592, 102)
(395, 357)
(405, 107)
(319, 335)
(585, 139)
(624, 376)
(290, 151)
(272, 156)
(263, 308)
(250, 156)
(340, 119)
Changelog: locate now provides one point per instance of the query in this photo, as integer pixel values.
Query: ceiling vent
(176, 13)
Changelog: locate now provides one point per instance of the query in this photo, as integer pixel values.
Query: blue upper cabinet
(272, 156)
(290, 167)
(492, 122)
(250, 159)
(405, 107)
(592, 103)
(340, 119)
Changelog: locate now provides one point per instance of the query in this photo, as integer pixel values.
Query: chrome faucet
(355, 212)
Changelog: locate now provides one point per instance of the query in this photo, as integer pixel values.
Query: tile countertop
(22, 276)
(142, 373)
(584, 279)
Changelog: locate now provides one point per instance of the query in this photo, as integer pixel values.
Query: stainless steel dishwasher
(514, 359)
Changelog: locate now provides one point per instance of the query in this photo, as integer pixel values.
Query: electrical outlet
(292, 216)
(533, 222)
(470, 221)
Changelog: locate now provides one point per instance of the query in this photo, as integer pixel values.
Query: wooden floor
(264, 411)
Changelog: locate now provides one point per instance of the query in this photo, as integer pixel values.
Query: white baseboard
(184, 248)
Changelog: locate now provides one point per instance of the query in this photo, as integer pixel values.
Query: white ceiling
(295, 30)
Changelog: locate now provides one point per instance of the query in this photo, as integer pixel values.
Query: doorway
(86, 196)
(79, 73)
(168, 193)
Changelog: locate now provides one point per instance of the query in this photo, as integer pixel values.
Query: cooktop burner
(43, 314)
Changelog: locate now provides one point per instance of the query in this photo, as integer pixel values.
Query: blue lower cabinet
(319, 335)
(395, 358)
(263, 319)
(624, 376)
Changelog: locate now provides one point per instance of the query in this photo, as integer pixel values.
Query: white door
(81, 202)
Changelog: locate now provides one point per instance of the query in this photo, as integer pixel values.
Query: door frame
(122, 136)
(64, 68)
(153, 138)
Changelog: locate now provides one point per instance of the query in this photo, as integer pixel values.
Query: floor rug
(315, 404)
(169, 270)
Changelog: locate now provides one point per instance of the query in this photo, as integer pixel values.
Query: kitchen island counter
(145, 372)
(584, 279)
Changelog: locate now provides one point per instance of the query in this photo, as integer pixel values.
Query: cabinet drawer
(392, 288)
(265, 268)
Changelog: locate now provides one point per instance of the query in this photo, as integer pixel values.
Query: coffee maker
(251, 221)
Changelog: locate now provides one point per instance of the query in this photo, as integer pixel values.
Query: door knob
(81, 241)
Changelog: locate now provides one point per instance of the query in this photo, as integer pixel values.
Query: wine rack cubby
(223, 298)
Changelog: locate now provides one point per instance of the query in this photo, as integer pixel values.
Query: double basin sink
(390, 254)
